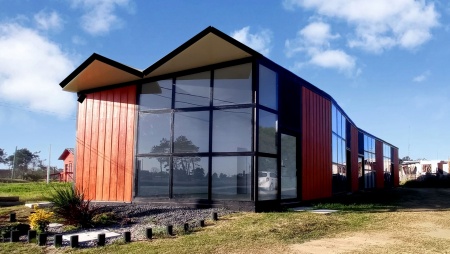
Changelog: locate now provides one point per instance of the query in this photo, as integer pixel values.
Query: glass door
(288, 166)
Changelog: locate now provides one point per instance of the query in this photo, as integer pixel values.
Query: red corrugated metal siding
(396, 168)
(354, 158)
(379, 164)
(316, 146)
(105, 144)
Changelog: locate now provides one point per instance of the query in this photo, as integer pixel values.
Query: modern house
(68, 157)
(216, 123)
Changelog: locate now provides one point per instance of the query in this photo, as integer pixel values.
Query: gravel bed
(136, 218)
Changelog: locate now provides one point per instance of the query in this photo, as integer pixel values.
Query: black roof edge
(103, 59)
(193, 40)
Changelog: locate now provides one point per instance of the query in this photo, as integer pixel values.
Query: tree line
(24, 164)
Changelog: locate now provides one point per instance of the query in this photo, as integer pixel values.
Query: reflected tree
(163, 147)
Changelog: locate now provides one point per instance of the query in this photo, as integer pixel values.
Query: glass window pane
(153, 133)
(339, 124)
(267, 132)
(232, 130)
(190, 177)
(335, 149)
(192, 90)
(153, 177)
(343, 127)
(191, 132)
(233, 85)
(288, 166)
(156, 95)
(268, 87)
(333, 119)
(231, 177)
(267, 178)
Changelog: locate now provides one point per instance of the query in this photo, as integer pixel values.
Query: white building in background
(414, 169)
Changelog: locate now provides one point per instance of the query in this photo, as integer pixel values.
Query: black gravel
(136, 218)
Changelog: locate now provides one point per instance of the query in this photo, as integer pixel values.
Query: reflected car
(267, 180)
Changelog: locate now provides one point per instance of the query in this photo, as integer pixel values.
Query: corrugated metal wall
(316, 146)
(379, 164)
(354, 158)
(396, 167)
(105, 144)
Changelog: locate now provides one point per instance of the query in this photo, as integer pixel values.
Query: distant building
(413, 169)
(216, 123)
(67, 174)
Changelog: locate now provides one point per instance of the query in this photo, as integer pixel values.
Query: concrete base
(39, 204)
(91, 235)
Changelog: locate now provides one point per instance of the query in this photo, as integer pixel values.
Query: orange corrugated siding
(379, 164)
(354, 158)
(105, 144)
(316, 146)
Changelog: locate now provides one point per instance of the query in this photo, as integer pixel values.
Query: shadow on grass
(388, 200)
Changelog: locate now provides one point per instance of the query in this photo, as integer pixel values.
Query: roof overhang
(209, 47)
(98, 71)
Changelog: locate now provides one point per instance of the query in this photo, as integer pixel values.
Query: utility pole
(14, 164)
(48, 167)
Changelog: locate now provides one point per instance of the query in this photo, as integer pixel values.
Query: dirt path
(420, 225)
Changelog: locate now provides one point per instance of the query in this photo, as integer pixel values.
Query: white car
(267, 180)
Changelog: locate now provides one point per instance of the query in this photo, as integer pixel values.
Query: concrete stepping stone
(91, 235)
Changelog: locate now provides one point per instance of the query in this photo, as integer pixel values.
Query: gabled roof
(208, 47)
(65, 153)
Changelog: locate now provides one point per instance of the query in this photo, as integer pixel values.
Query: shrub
(104, 218)
(70, 205)
(40, 220)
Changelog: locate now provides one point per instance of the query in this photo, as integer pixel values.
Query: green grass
(31, 191)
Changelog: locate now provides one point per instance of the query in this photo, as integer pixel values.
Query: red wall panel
(354, 158)
(105, 144)
(379, 164)
(316, 146)
(396, 168)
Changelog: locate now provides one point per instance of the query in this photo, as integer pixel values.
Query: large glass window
(339, 150)
(233, 85)
(156, 95)
(190, 177)
(267, 178)
(268, 87)
(231, 177)
(186, 121)
(193, 90)
(369, 162)
(191, 132)
(153, 176)
(153, 133)
(267, 132)
(288, 166)
(232, 130)
(387, 163)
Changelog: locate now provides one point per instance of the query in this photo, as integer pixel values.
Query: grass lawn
(27, 192)
(394, 221)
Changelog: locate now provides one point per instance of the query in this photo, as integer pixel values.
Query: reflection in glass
(191, 132)
(190, 177)
(231, 177)
(153, 177)
(156, 95)
(267, 132)
(153, 133)
(232, 130)
(369, 157)
(339, 156)
(267, 178)
(193, 90)
(233, 85)
(268, 87)
(288, 166)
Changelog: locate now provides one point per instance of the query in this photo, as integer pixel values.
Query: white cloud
(260, 42)
(100, 17)
(422, 77)
(314, 41)
(381, 24)
(78, 40)
(31, 68)
(48, 21)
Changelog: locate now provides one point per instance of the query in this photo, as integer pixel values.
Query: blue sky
(385, 62)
